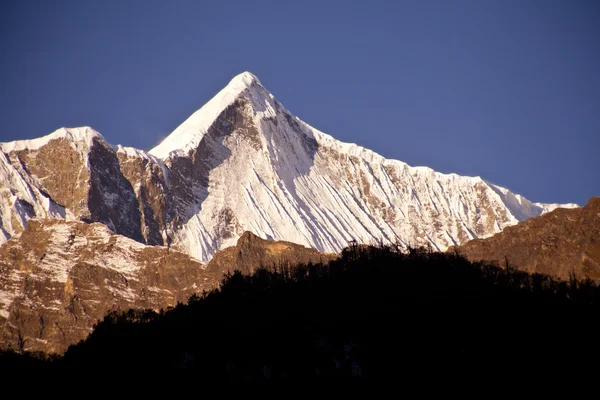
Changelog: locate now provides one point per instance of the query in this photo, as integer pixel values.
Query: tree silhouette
(365, 315)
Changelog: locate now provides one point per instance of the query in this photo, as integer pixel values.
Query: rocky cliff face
(74, 174)
(559, 243)
(146, 176)
(59, 278)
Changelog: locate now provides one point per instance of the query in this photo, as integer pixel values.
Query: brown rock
(87, 182)
(59, 278)
(559, 243)
(252, 252)
(60, 172)
(148, 180)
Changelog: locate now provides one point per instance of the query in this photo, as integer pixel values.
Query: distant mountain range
(241, 163)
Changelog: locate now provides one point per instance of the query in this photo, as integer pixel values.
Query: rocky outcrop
(252, 252)
(59, 278)
(74, 174)
(146, 176)
(59, 171)
(560, 243)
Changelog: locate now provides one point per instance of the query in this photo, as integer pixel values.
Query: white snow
(83, 134)
(327, 196)
(135, 153)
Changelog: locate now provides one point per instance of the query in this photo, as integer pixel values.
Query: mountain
(560, 243)
(88, 227)
(58, 278)
(245, 163)
(74, 174)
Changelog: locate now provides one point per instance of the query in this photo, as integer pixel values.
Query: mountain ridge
(59, 278)
(562, 243)
(244, 162)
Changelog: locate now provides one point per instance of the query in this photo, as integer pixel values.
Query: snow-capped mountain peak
(243, 80)
(242, 162)
(189, 134)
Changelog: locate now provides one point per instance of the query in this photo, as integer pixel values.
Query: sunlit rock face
(74, 174)
(252, 252)
(563, 243)
(59, 278)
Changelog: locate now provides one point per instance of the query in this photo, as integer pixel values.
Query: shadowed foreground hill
(369, 314)
(560, 243)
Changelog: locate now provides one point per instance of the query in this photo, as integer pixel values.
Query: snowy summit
(190, 133)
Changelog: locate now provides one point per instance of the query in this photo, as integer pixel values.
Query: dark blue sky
(508, 90)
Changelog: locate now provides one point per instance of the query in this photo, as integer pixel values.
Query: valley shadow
(111, 198)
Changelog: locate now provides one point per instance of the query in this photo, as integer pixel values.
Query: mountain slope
(74, 174)
(559, 243)
(245, 163)
(58, 278)
(254, 166)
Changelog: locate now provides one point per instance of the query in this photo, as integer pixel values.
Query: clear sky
(507, 90)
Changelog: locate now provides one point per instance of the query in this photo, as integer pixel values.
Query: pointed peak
(248, 237)
(190, 132)
(244, 80)
(236, 86)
